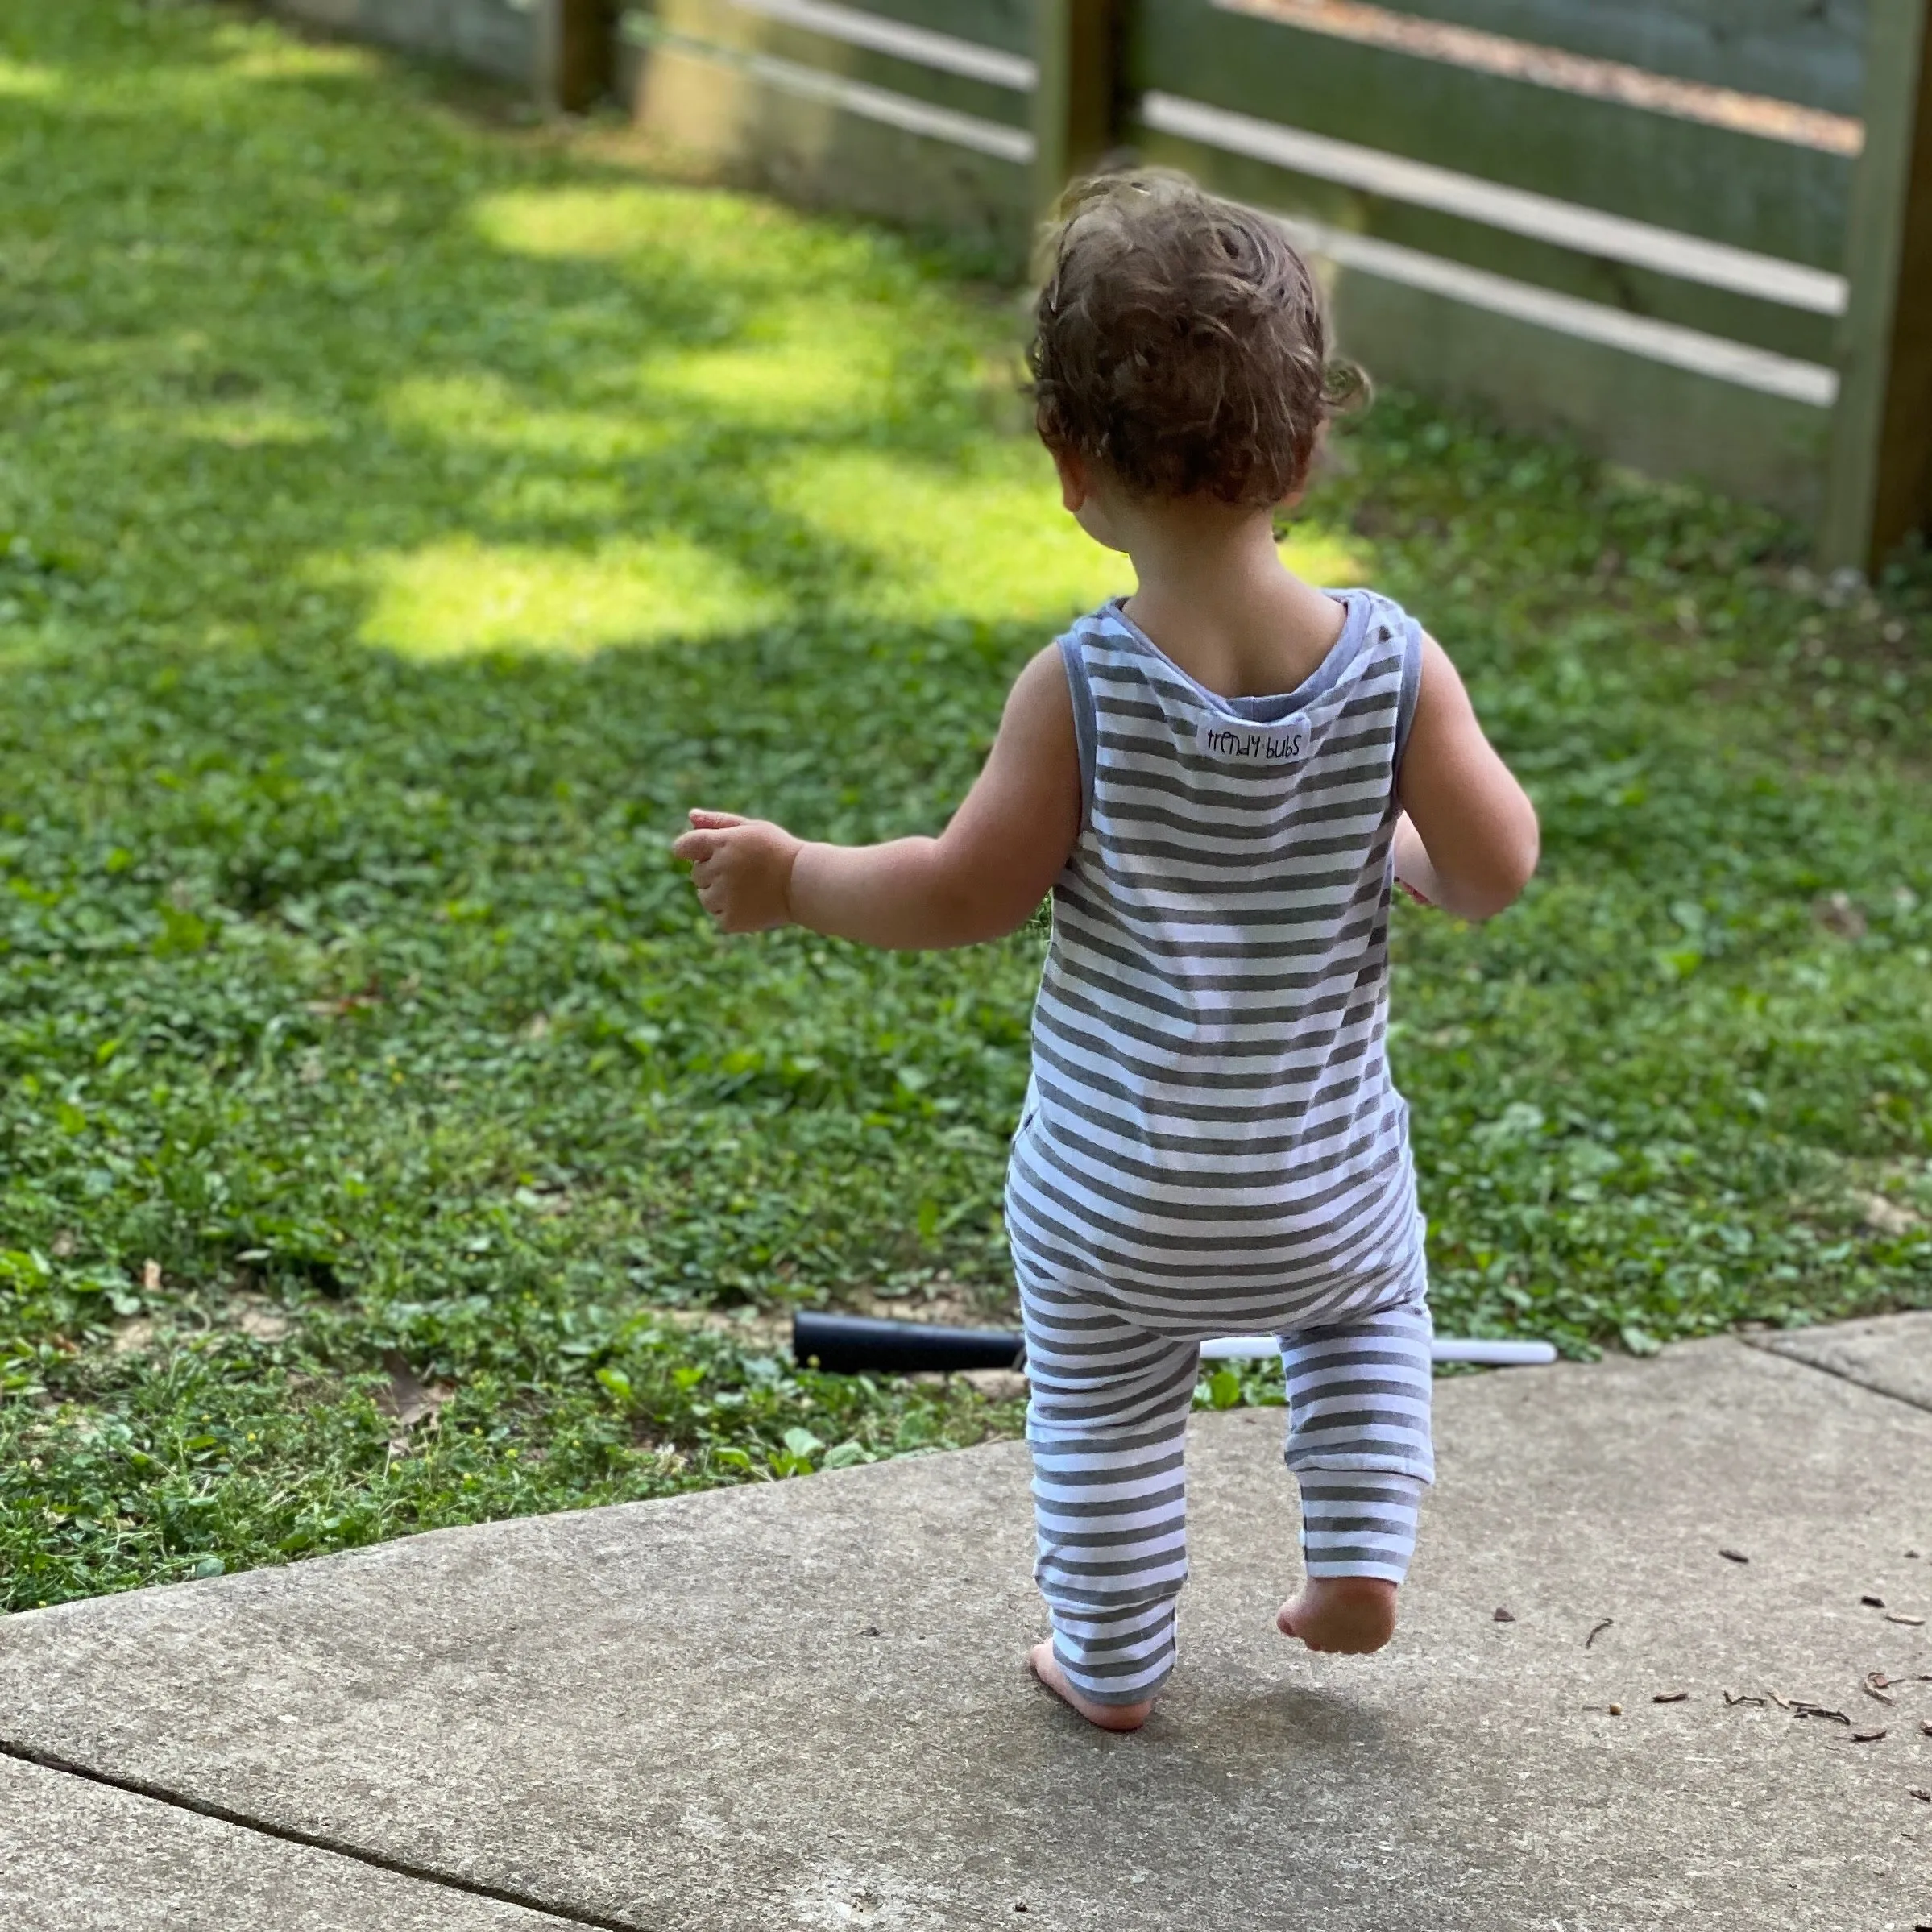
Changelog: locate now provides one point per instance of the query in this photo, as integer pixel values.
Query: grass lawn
(406, 513)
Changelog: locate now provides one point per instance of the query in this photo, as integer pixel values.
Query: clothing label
(1283, 744)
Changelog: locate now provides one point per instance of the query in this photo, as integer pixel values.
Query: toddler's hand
(742, 868)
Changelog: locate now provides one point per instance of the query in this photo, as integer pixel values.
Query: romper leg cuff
(1120, 1656)
(1358, 1522)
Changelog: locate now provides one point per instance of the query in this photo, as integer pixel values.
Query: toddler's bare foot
(1352, 1614)
(1045, 1666)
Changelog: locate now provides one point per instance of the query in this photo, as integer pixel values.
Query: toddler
(1219, 780)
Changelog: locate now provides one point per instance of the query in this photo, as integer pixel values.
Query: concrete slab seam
(1766, 1344)
(48, 1760)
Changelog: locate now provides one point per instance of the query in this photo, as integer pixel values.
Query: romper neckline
(1272, 707)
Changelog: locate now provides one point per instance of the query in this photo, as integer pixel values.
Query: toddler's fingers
(715, 821)
(694, 848)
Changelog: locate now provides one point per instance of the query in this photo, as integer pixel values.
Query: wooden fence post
(576, 51)
(1880, 487)
(1076, 102)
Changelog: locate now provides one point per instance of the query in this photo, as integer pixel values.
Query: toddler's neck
(1215, 596)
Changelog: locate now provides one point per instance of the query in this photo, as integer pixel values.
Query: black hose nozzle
(856, 1345)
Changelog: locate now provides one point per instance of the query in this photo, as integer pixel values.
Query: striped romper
(1211, 1143)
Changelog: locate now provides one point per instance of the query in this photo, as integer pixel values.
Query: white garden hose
(1492, 1354)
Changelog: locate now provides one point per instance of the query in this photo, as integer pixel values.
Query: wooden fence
(1697, 235)
(560, 49)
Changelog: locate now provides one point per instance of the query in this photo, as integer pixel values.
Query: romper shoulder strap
(1079, 688)
(1411, 681)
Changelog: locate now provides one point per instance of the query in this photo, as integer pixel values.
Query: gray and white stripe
(1212, 1143)
(1108, 1427)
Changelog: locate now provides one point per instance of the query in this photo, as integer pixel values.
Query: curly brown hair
(1180, 343)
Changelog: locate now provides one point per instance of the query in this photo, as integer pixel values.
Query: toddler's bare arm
(980, 878)
(1471, 842)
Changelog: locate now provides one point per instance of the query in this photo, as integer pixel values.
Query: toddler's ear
(1075, 485)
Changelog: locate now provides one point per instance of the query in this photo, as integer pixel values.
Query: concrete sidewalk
(803, 1704)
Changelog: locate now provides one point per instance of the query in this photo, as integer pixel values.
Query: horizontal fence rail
(1809, 52)
(922, 113)
(1588, 74)
(886, 106)
(1775, 196)
(1695, 233)
(1421, 185)
(919, 45)
(882, 70)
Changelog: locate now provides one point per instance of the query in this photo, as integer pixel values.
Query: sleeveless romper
(1211, 1141)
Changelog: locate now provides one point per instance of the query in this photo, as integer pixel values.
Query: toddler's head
(1180, 345)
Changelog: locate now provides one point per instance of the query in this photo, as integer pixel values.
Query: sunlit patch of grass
(28, 81)
(755, 272)
(255, 55)
(593, 224)
(1325, 556)
(247, 426)
(702, 231)
(988, 539)
(817, 364)
(482, 410)
(462, 596)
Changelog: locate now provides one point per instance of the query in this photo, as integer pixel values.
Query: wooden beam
(576, 53)
(1879, 489)
(1076, 101)
(1808, 51)
(1722, 184)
